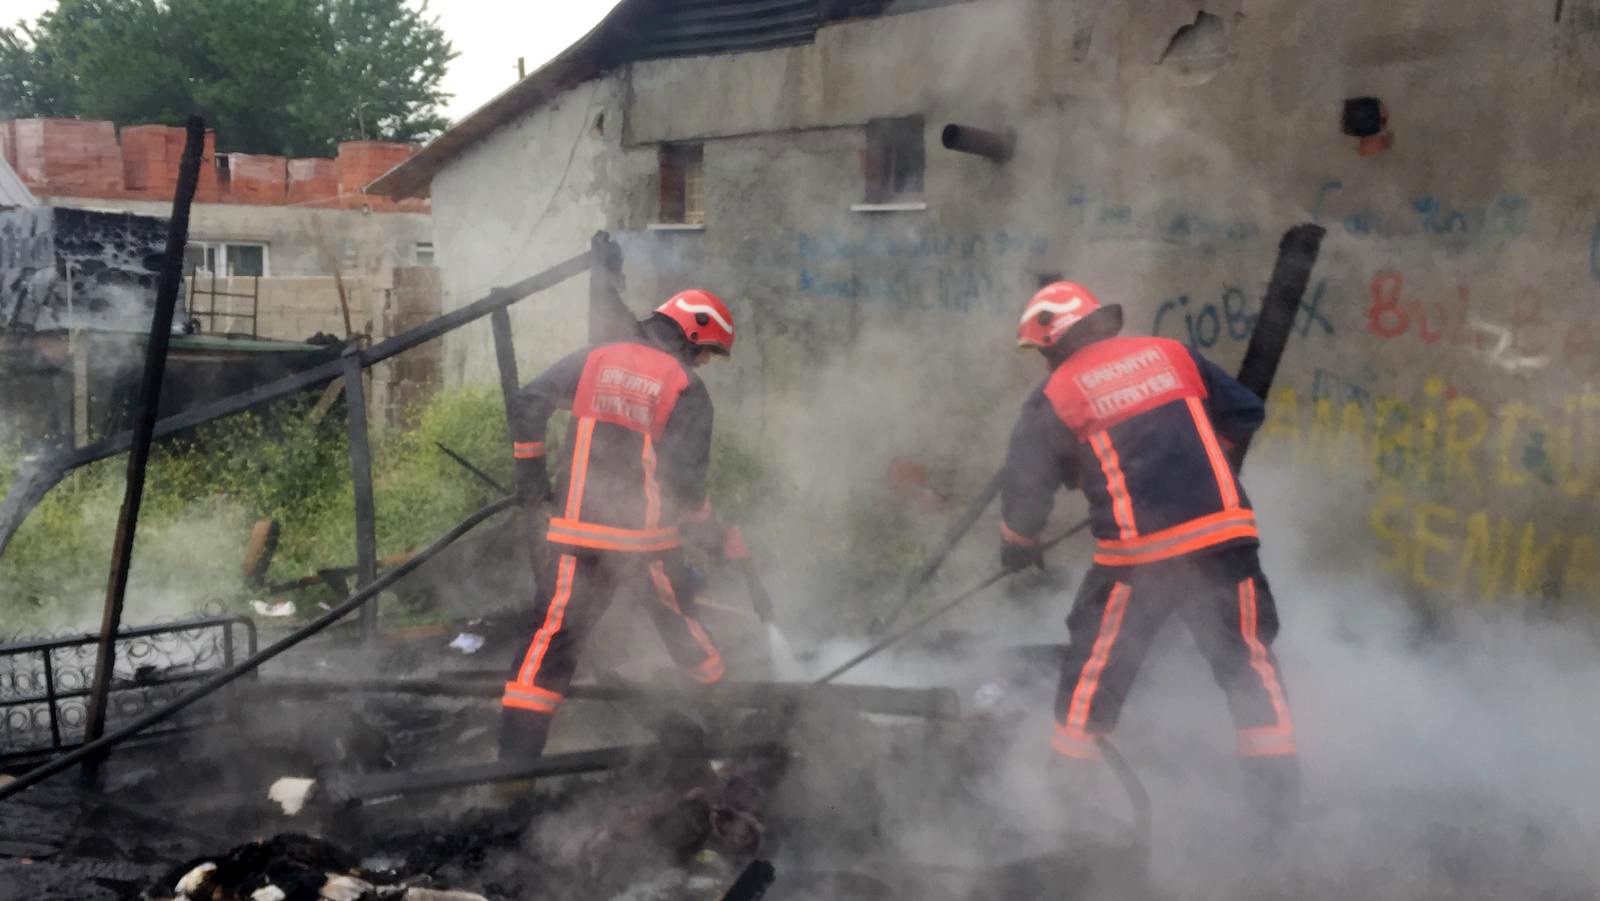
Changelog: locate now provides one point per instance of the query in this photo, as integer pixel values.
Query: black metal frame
(603, 262)
(210, 312)
(232, 634)
(40, 474)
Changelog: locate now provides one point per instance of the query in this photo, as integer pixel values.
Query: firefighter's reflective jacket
(634, 461)
(1144, 427)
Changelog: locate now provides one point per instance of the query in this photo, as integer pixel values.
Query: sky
(489, 35)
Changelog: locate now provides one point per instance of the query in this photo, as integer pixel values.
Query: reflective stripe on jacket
(1142, 426)
(636, 450)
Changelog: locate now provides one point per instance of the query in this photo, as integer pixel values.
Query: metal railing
(45, 683)
(211, 314)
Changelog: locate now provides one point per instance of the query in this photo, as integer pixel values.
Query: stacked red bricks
(72, 158)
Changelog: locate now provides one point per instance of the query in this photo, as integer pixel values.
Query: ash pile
(346, 785)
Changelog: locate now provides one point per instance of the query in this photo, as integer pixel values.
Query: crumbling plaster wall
(521, 200)
(1444, 362)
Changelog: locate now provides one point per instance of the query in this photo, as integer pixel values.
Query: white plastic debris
(268, 892)
(467, 643)
(282, 608)
(194, 879)
(290, 793)
(344, 888)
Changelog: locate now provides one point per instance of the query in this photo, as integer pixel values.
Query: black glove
(1020, 556)
(533, 481)
(694, 584)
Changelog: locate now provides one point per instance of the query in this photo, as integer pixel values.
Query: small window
(894, 159)
(199, 258)
(247, 259)
(683, 199)
(225, 259)
(424, 253)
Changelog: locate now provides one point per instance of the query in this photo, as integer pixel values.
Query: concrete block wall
(292, 309)
(1441, 378)
(416, 375)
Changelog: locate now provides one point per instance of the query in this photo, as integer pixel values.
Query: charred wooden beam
(505, 356)
(38, 475)
(227, 677)
(926, 703)
(366, 513)
(387, 785)
(753, 883)
(144, 428)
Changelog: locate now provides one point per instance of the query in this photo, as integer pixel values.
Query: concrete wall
(295, 309)
(302, 241)
(521, 200)
(291, 309)
(65, 268)
(1442, 369)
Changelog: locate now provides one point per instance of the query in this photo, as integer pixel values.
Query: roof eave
(576, 64)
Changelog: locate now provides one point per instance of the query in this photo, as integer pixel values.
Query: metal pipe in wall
(997, 146)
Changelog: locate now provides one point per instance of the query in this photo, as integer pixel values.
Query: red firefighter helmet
(703, 318)
(1050, 313)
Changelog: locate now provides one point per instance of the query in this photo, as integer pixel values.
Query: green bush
(203, 492)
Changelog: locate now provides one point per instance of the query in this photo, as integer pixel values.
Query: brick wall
(257, 179)
(72, 158)
(311, 180)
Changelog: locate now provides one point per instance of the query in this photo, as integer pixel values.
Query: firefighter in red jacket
(638, 446)
(1144, 427)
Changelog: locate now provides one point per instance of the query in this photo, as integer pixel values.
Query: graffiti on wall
(1450, 223)
(1202, 324)
(1094, 217)
(1517, 337)
(1447, 469)
(931, 268)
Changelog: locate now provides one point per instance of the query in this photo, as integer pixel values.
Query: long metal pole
(144, 425)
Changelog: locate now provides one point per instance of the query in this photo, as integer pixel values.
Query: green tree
(291, 77)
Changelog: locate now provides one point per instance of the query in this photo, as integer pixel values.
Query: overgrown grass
(203, 493)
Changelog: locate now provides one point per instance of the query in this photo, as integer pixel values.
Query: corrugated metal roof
(12, 191)
(695, 27)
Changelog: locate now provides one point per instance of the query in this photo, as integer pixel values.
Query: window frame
(680, 185)
(895, 157)
(212, 251)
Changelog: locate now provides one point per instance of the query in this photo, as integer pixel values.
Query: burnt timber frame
(39, 474)
(603, 261)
